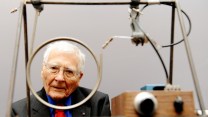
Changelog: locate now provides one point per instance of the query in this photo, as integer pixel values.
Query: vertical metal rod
(14, 62)
(191, 63)
(26, 56)
(172, 47)
(34, 31)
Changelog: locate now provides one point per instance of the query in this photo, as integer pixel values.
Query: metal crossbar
(100, 2)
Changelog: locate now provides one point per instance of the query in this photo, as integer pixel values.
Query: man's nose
(60, 76)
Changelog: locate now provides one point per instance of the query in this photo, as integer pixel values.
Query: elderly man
(61, 73)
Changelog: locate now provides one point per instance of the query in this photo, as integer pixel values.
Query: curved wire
(157, 52)
(190, 25)
(160, 57)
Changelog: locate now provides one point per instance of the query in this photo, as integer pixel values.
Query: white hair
(65, 46)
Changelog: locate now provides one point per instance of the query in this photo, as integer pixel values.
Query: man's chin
(56, 96)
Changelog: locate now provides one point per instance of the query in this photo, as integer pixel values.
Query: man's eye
(69, 72)
(54, 68)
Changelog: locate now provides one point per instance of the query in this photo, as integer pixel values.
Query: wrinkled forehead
(63, 58)
(61, 52)
(65, 47)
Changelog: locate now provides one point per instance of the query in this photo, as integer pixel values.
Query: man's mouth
(58, 87)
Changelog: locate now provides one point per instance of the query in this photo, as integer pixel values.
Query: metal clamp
(138, 36)
(37, 5)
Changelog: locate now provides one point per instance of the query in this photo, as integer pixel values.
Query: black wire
(189, 31)
(157, 52)
(163, 64)
(190, 25)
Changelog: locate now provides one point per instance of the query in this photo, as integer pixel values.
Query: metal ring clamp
(74, 105)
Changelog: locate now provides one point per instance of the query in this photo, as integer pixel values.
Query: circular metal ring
(63, 107)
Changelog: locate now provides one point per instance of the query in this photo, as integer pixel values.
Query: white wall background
(125, 66)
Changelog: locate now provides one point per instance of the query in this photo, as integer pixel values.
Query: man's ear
(81, 75)
(42, 72)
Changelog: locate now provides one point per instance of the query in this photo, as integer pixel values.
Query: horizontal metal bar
(100, 2)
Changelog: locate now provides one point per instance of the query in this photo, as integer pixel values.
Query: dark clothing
(98, 105)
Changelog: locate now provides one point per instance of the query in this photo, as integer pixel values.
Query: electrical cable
(157, 52)
(189, 21)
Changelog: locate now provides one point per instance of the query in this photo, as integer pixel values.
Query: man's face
(59, 85)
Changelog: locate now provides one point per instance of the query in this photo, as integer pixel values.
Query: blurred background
(126, 67)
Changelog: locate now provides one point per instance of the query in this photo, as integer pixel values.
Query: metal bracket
(138, 36)
(37, 5)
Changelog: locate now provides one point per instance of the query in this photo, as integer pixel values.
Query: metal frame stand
(23, 15)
